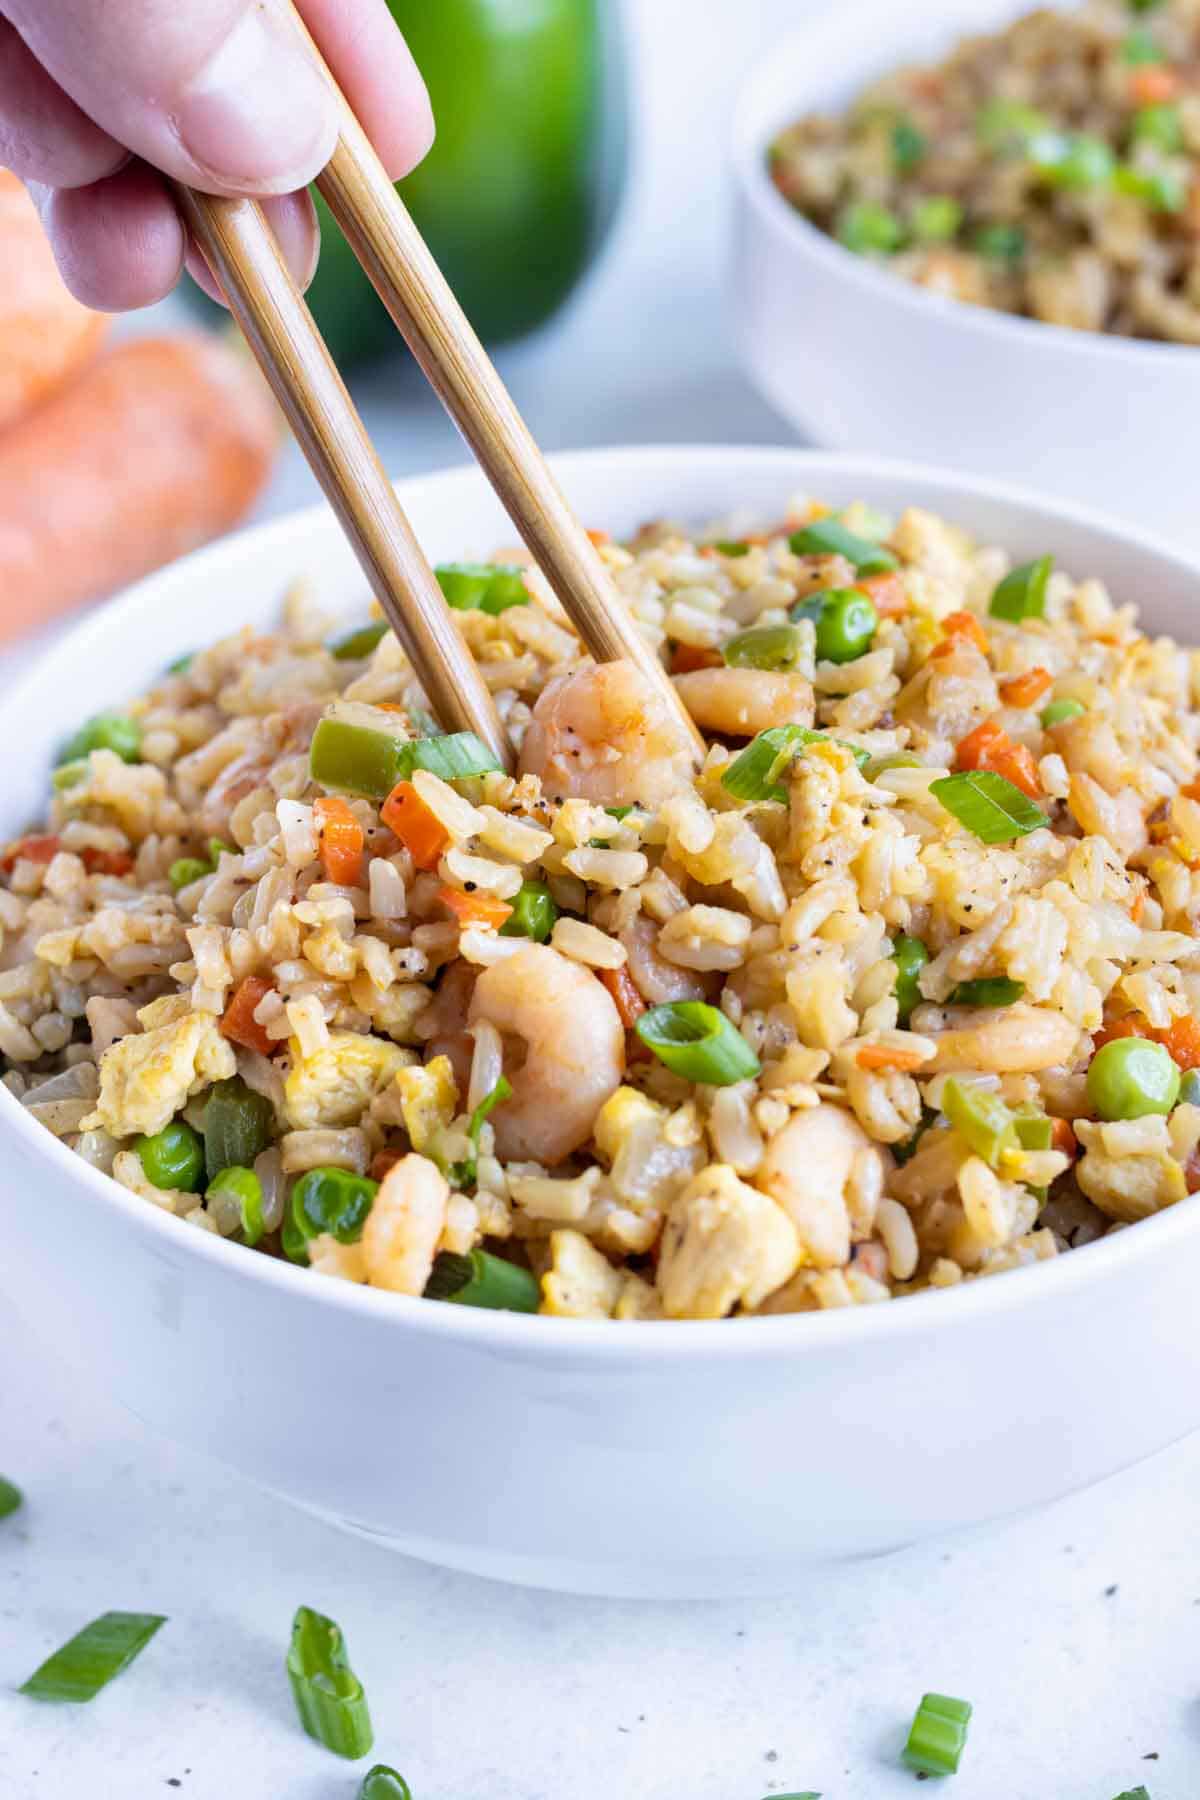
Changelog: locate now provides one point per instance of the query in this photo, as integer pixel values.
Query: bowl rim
(600, 1339)
(748, 149)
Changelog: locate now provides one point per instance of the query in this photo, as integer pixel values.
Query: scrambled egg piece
(647, 1169)
(147, 1077)
(428, 1098)
(336, 1084)
(724, 1242)
(1129, 1180)
(580, 1283)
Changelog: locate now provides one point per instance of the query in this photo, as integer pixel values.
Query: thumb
(217, 93)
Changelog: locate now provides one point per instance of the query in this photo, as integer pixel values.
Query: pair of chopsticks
(265, 301)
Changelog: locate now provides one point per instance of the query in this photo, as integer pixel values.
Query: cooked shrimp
(815, 1168)
(574, 1051)
(743, 702)
(400, 1237)
(602, 733)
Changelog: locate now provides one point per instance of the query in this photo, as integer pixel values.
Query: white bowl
(690, 1458)
(861, 358)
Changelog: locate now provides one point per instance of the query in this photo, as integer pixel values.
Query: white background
(485, 1693)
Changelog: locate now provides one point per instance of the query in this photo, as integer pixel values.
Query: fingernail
(259, 116)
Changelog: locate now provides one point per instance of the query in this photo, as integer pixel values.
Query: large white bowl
(860, 358)
(622, 1459)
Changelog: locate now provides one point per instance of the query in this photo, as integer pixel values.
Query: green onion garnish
(910, 956)
(1140, 48)
(182, 664)
(618, 812)
(864, 225)
(752, 775)
(908, 145)
(465, 1173)
(186, 869)
(482, 587)
(938, 1735)
(1022, 593)
(239, 1124)
(10, 1498)
(1006, 124)
(989, 805)
(1060, 710)
(999, 242)
(1164, 190)
(355, 758)
(731, 547)
(764, 647)
(480, 1279)
(329, 1696)
(1071, 159)
(332, 1200)
(246, 1187)
(1159, 124)
(829, 537)
(981, 1119)
(358, 641)
(105, 731)
(69, 775)
(698, 1042)
(1034, 1130)
(533, 913)
(936, 219)
(453, 757)
(990, 990)
(1137, 1793)
(90, 1660)
(382, 1783)
(891, 759)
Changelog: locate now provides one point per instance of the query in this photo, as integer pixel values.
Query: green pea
(246, 1188)
(1059, 711)
(173, 1157)
(1159, 124)
(909, 145)
(936, 219)
(910, 956)
(1129, 1078)
(294, 1241)
(106, 731)
(186, 869)
(332, 1200)
(846, 626)
(865, 225)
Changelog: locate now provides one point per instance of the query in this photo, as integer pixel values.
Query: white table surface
(489, 1693)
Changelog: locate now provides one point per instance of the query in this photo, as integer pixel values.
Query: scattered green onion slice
(1034, 1130)
(187, 869)
(1159, 124)
(989, 805)
(698, 1042)
(453, 757)
(1060, 710)
(909, 145)
(864, 225)
(358, 641)
(618, 812)
(1004, 124)
(829, 537)
(105, 731)
(1071, 159)
(910, 956)
(989, 990)
(482, 587)
(1140, 47)
(465, 1173)
(999, 242)
(332, 1200)
(10, 1498)
(239, 1124)
(1164, 190)
(90, 1660)
(383, 1783)
(891, 759)
(245, 1185)
(1022, 593)
(764, 647)
(731, 547)
(752, 775)
(172, 1157)
(1137, 1793)
(981, 1119)
(182, 664)
(69, 774)
(533, 913)
(480, 1279)
(936, 219)
(358, 759)
(938, 1735)
(329, 1696)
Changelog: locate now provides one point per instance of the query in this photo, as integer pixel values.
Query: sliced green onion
(10, 1498)
(1022, 593)
(908, 1146)
(989, 805)
(482, 587)
(358, 641)
(1074, 160)
(453, 757)
(382, 1783)
(910, 957)
(1034, 1130)
(764, 647)
(938, 1735)
(533, 913)
(981, 1119)
(752, 775)
(328, 1695)
(999, 242)
(936, 219)
(618, 812)
(1060, 710)
(239, 1124)
(989, 990)
(1165, 190)
(1160, 124)
(1137, 1793)
(1189, 1088)
(1004, 124)
(908, 145)
(70, 774)
(829, 537)
(172, 1157)
(731, 547)
(891, 759)
(465, 1173)
(1140, 48)
(187, 869)
(90, 1660)
(246, 1187)
(480, 1279)
(105, 731)
(698, 1042)
(864, 225)
(356, 758)
(332, 1200)
(182, 664)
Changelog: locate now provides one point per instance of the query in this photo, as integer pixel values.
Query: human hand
(100, 98)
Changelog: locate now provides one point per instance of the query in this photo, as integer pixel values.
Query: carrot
(239, 1024)
(1025, 690)
(157, 447)
(888, 1056)
(956, 627)
(45, 333)
(475, 909)
(629, 1002)
(990, 747)
(1182, 1039)
(419, 830)
(1191, 791)
(1153, 85)
(1137, 906)
(687, 657)
(106, 862)
(886, 592)
(1063, 1139)
(42, 849)
(341, 840)
(600, 538)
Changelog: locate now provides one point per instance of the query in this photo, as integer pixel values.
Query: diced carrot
(341, 839)
(29, 849)
(1182, 1039)
(106, 862)
(1063, 1139)
(687, 657)
(1024, 690)
(958, 627)
(388, 706)
(888, 1056)
(1191, 791)
(629, 1002)
(475, 909)
(886, 592)
(599, 537)
(1153, 84)
(419, 830)
(990, 747)
(1137, 906)
(239, 1024)
(382, 1161)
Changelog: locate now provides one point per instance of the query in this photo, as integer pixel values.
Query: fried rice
(1051, 170)
(811, 1027)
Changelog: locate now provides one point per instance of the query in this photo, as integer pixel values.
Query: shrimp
(574, 1051)
(602, 733)
(404, 1226)
(743, 702)
(818, 1168)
